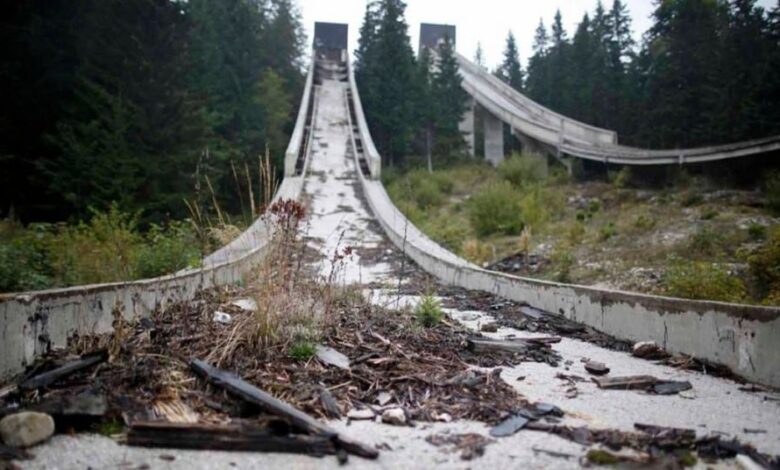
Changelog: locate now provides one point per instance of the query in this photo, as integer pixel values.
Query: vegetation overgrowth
(687, 237)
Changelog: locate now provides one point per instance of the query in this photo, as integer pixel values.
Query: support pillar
(466, 127)
(494, 139)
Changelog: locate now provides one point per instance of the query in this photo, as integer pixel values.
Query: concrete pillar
(494, 139)
(466, 126)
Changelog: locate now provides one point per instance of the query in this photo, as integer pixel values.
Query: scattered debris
(332, 409)
(647, 350)
(222, 317)
(509, 426)
(226, 437)
(26, 428)
(490, 327)
(52, 376)
(75, 412)
(332, 357)
(634, 382)
(470, 445)
(671, 387)
(383, 398)
(361, 414)
(596, 368)
(537, 349)
(394, 416)
(297, 418)
(249, 305)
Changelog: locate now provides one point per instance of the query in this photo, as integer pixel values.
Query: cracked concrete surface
(339, 218)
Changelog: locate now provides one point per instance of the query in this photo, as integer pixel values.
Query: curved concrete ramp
(562, 135)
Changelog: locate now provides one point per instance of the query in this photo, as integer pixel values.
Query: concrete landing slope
(32, 323)
(581, 140)
(742, 337)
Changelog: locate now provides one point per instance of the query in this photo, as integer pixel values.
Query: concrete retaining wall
(744, 338)
(31, 323)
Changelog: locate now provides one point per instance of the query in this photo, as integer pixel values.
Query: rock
(491, 327)
(596, 368)
(645, 349)
(332, 357)
(248, 305)
(222, 317)
(26, 429)
(394, 416)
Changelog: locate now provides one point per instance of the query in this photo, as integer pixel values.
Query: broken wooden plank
(633, 382)
(48, 378)
(226, 437)
(490, 345)
(297, 418)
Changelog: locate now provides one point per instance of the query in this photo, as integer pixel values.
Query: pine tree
(449, 103)
(510, 70)
(537, 83)
(479, 57)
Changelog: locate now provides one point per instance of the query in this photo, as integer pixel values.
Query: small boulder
(394, 416)
(26, 429)
(596, 368)
(358, 414)
(491, 327)
(645, 349)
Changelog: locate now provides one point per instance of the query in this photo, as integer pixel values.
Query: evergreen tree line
(708, 72)
(138, 102)
(413, 105)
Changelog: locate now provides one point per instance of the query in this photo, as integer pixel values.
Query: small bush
(575, 233)
(622, 179)
(644, 222)
(445, 231)
(302, 350)
(424, 189)
(607, 231)
(765, 265)
(691, 198)
(756, 232)
(476, 251)
(772, 191)
(536, 205)
(709, 214)
(520, 170)
(496, 210)
(705, 243)
(702, 281)
(428, 312)
(562, 260)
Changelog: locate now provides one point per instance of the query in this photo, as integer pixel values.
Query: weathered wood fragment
(229, 437)
(633, 382)
(48, 378)
(297, 418)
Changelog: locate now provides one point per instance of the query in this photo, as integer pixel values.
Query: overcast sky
(485, 21)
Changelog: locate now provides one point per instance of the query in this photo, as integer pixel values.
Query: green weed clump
(428, 312)
(109, 247)
(702, 281)
(562, 261)
(764, 266)
(520, 170)
(302, 350)
(496, 210)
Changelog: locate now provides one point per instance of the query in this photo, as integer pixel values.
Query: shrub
(705, 243)
(622, 179)
(302, 350)
(424, 189)
(702, 281)
(428, 312)
(476, 251)
(765, 265)
(562, 260)
(535, 205)
(520, 170)
(496, 210)
(644, 222)
(607, 231)
(691, 198)
(24, 264)
(756, 232)
(575, 233)
(167, 250)
(445, 231)
(772, 191)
